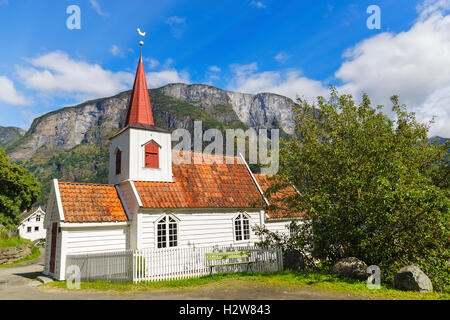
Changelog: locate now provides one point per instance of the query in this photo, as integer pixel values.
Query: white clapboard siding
(281, 227)
(205, 229)
(93, 240)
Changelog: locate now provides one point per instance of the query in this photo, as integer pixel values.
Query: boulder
(293, 260)
(412, 278)
(351, 267)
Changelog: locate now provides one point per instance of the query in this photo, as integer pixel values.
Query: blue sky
(285, 47)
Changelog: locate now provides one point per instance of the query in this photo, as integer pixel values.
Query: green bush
(368, 185)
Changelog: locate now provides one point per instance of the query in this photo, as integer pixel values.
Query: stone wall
(12, 254)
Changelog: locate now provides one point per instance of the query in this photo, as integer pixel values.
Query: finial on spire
(141, 43)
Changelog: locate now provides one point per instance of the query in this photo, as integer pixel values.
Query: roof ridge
(87, 183)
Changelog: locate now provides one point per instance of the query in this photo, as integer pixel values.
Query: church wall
(198, 229)
(280, 227)
(96, 239)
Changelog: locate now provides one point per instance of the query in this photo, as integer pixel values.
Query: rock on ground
(412, 278)
(351, 267)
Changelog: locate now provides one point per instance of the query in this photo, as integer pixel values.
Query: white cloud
(282, 57)
(289, 83)
(152, 63)
(413, 64)
(430, 7)
(116, 51)
(57, 74)
(10, 95)
(214, 69)
(258, 4)
(160, 78)
(177, 25)
(96, 6)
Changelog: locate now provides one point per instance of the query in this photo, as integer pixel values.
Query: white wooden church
(151, 202)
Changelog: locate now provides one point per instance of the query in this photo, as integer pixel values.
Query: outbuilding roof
(87, 202)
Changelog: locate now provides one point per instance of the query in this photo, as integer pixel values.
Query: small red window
(118, 161)
(151, 155)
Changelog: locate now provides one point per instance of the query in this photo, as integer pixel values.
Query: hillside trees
(19, 190)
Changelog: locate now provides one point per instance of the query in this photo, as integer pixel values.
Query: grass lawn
(286, 279)
(11, 242)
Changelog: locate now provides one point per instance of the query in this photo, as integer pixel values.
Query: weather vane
(141, 43)
(142, 34)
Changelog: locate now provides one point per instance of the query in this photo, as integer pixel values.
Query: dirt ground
(16, 283)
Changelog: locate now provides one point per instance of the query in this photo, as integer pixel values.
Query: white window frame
(177, 221)
(244, 215)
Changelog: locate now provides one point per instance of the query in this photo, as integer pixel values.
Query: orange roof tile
(277, 208)
(84, 202)
(205, 185)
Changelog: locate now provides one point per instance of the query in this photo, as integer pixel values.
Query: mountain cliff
(72, 143)
(9, 135)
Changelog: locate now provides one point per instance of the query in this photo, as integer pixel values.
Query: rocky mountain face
(9, 135)
(260, 110)
(174, 106)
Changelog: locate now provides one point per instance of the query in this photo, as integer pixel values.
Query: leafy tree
(369, 186)
(18, 190)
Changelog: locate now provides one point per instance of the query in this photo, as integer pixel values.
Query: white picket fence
(171, 263)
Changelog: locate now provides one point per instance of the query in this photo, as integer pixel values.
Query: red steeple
(139, 109)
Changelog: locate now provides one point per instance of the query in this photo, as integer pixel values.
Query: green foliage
(368, 185)
(10, 241)
(19, 190)
(83, 163)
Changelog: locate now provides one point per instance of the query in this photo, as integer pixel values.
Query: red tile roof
(84, 202)
(205, 185)
(278, 208)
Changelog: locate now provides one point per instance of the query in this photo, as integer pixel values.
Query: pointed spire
(140, 109)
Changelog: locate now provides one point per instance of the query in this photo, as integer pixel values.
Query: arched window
(152, 155)
(118, 161)
(241, 227)
(167, 232)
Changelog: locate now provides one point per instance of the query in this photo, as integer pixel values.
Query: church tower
(140, 151)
